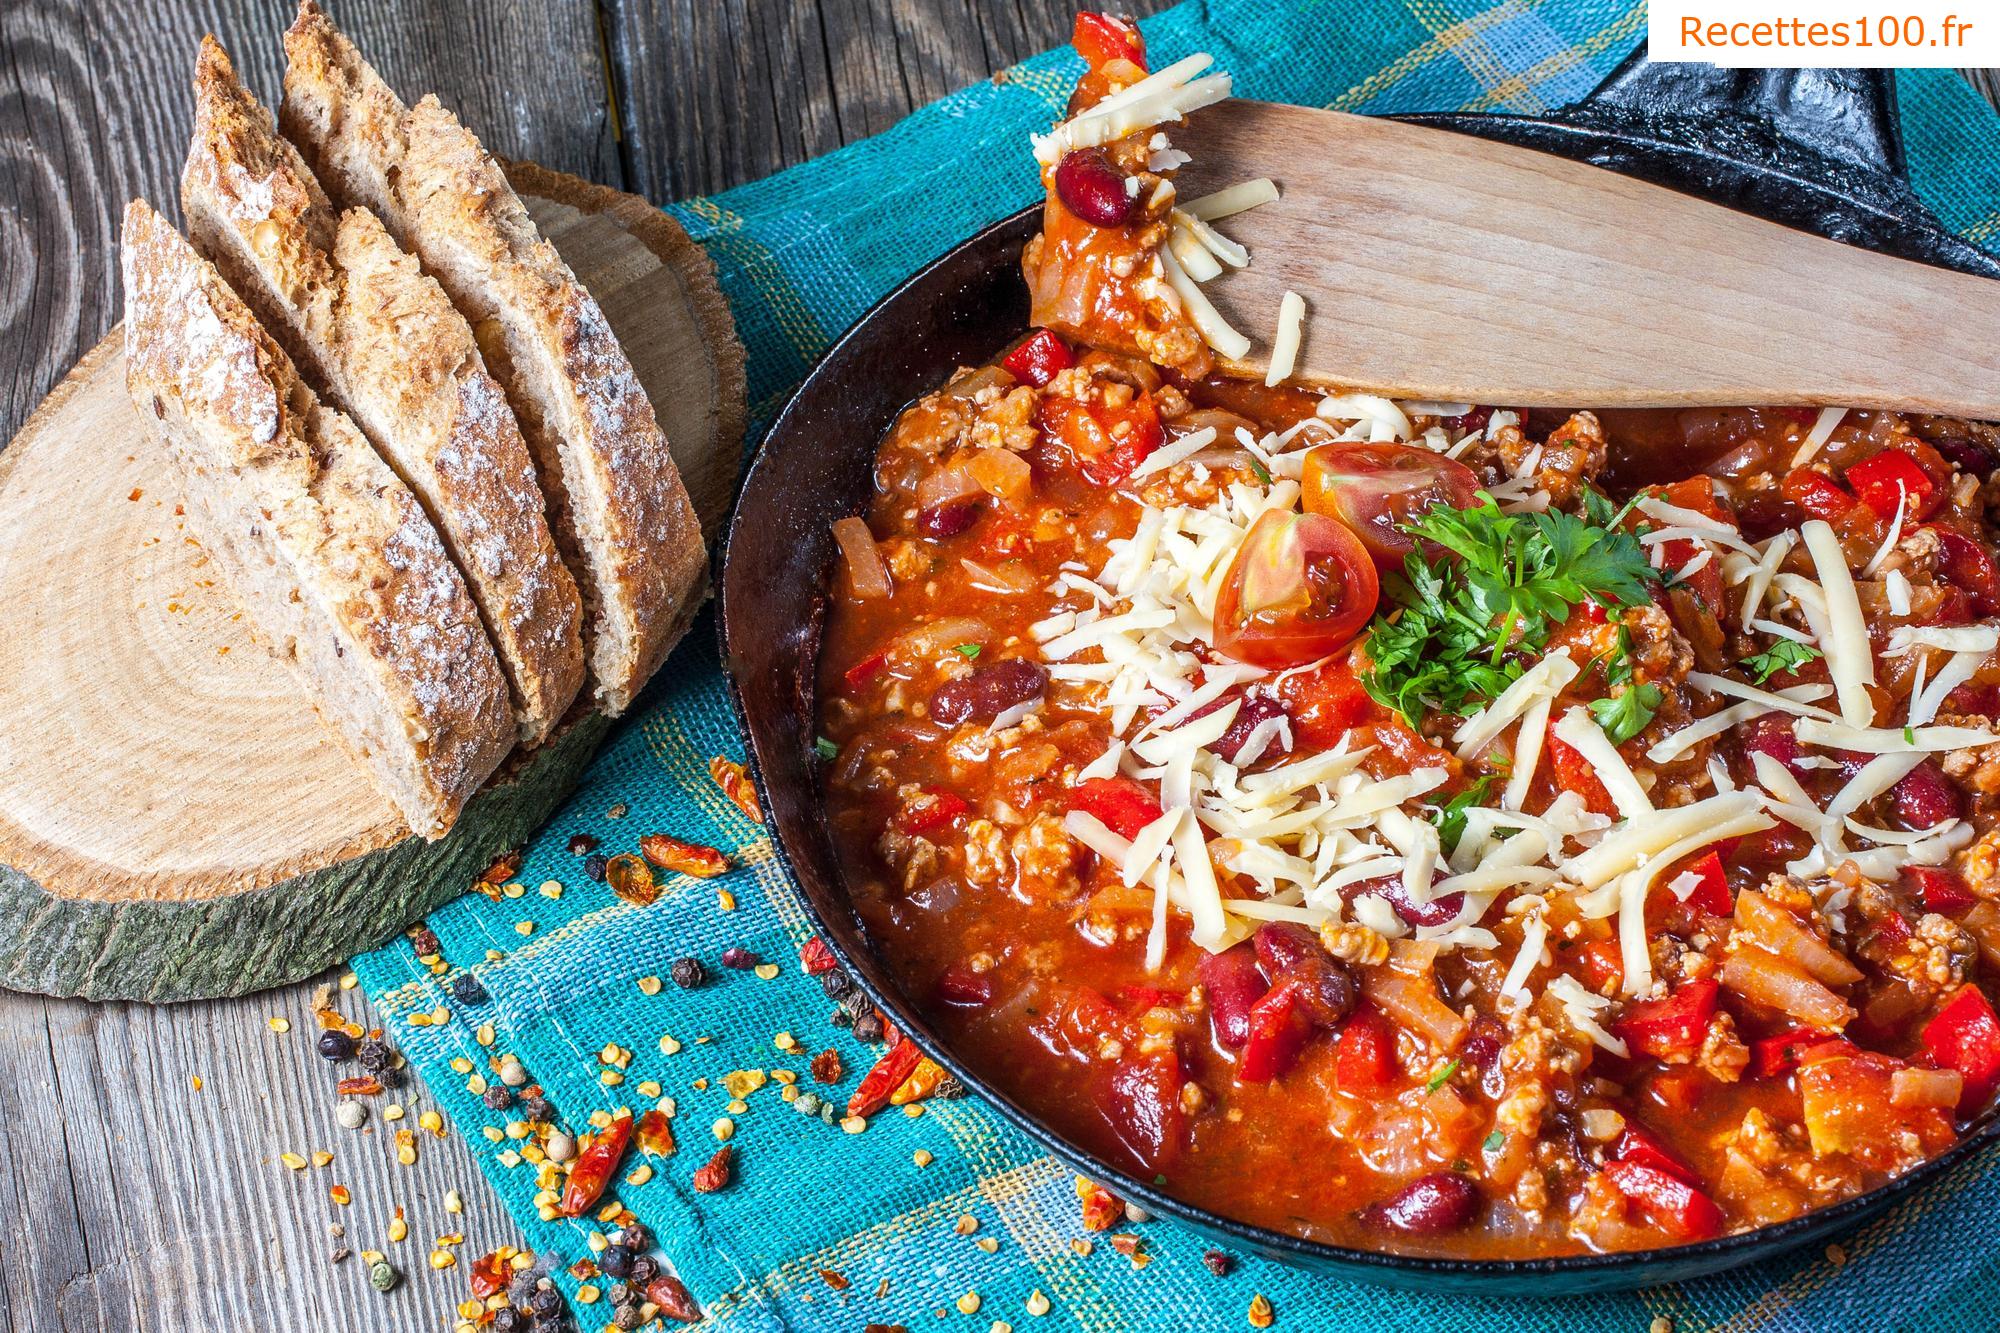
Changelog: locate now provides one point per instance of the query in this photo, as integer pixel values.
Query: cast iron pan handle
(1820, 150)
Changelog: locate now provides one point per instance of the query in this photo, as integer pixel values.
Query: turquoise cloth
(801, 255)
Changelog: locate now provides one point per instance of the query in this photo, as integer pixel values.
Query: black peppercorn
(509, 1321)
(619, 1293)
(636, 1238)
(465, 988)
(498, 1097)
(688, 973)
(593, 866)
(546, 1300)
(425, 941)
(628, 1317)
(840, 1018)
(336, 1045)
(616, 1261)
(644, 1269)
(374, 1054)
(868, 1027)
(549, 1323)
(739, 958)
(948, 1088)
(857, 1003)
(536, 1110)
(581, 844)
(836, 984)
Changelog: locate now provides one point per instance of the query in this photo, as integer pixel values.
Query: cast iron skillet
(1815, 149)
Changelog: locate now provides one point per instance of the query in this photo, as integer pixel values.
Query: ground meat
(1938, 956)
(1006, 420)
(985, 854)
(1572, 455)
(1044, 860)
(914, 859)
(1916, 555)
(1978, 768)
(1979, 865)
(1352, 942)
(908, 561)
(1723, 1055)
(1660, 655)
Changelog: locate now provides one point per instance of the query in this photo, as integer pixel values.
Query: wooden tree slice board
(175, 820)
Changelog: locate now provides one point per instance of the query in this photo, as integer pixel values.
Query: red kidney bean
(1090, 187)
(1427, 1206)
(1288, 950)
(1961, 445)
(1232, 983)
(1433, 913)
(988, 692)
(1926, 797)
(1773, 736)
(1476, 419)
(949, 518)
(1482, 1052)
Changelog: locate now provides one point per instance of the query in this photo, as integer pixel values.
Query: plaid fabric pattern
(801, 255)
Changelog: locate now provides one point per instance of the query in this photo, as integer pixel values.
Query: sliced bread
(620, 512)
(330, 553)
(389, 349)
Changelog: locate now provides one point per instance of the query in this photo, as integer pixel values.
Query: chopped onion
(950, 481)
(866, 574)
(986, 377)
(1001, 473)
(1926, 1087)
(1764, 978)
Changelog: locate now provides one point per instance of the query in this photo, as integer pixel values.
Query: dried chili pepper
(489, 1275)
(656, 1134)
(736, 785)
(593, 1168)
(1101, 1208)
(672, 1296)
(921, 1083)
(816, 957)
(716, 1174)
(631, 879)
(888, 1073)
(361, 1085)
(684, 858)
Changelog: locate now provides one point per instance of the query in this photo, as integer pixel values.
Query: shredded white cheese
(1285, 347)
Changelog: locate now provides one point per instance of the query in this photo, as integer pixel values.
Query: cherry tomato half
(1301, 586)
(1373, 487)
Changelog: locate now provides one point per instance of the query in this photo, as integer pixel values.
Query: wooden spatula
(1439, 266)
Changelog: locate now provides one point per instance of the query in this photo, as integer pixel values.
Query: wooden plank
(779, 83)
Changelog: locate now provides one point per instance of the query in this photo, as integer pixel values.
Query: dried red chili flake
(736, 785)
(683, 858)
(816, 957)
(593, 1168)
(583, 1270)
(656, 1134)
(503, 868)
(716, 1174)
(827, 1067)
(1127, 1244)
(631, 879)
(1101, 1208)
(884, 1077)
(489, 1275)
(672, 1296)
(361, 1085)
(833, 1279)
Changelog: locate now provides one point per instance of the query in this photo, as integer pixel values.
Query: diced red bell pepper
(1892, 929)
(869, 667)
(1965, 1035)
(1882, 481)
(1781, 1053)
(1106, 442)
(1365, 1061)
(1326, 704)
(963, 988)
(1678, 1208)
(1969, 565)
(816, 957)
(1672, 1027)
(1279, 1026)
(1144, 1106)
(1642, 1145)
(1037, 360)
(1939, 889)
(1573, 773)
(937, 809)
(1602, 962)
(1679, 1091)
(1712, 894)
(1120, 804)
(882, 1080)
(1101, 38)
(1816, 493)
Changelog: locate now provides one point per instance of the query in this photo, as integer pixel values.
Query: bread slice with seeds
(620, 512)
(330, 553)
(388, 348)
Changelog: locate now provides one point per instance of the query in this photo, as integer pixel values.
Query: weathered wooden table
(140, 1199)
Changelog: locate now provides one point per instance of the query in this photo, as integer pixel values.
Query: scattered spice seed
(351, 1115)
(321, 1157)
(969, 1303)
(398, 1228)
(766, 971)
(868, 1028)
(725, 900)
(668, 1045)
(512, 1072)
(293, 1160)
(724, 1129)
(836, 984)
(425, 941)
(1261, 1315)
(497, 1097)
(561, 1147)
(465, 988)
(618, 811)
(852, 1124)
(649, 985)
(382, 1275)
(716, 1174)
(1038, 1304)
(341, 1195)
(736, 785)
(966, 1224)
(922, 1157)
(278, 1024)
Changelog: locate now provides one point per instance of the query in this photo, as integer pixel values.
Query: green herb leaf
(1437, 1080)
(1495, 1141)
(1784, 655)
(1625, 715)
(826, 749)
(966, 650)
(1450, 817)
(1909, 735)
(1263, 473)
(1465, 625)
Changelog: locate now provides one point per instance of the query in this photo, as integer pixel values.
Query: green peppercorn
(382, 1275)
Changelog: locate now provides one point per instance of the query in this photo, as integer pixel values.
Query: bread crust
(385, 343)
(620, 512)
(331, 553)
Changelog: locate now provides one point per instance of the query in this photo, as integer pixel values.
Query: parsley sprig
(1469, 621)
(1784, 655)
(1624, 714)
